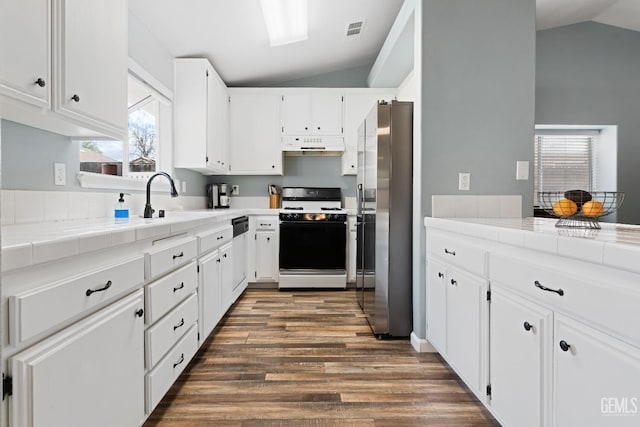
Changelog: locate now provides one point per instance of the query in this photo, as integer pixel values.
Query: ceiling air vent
(354, 29)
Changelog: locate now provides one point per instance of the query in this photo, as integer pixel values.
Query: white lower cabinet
(266, 256)
(161, 378)
(596, 379)
(466, 322)
(91, 373)
(520, 348)
(210, 293)
(436, 305)
(226, 276)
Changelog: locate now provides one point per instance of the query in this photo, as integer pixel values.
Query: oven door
(313, 246)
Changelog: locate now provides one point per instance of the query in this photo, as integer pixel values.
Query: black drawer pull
(180, 286)
(104, 288)
(440, 275)
(564, 345)
(179, 324)
(224, 256)
(40, 82)
(268, 239)
(180, 255)
(220, 238)
(454, 282)
(179, 361)
(544, 288)
(75, 98)
(527, 326)
(447, 251)
(218, 260)
(139, 312)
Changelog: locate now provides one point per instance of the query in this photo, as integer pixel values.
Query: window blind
(564, 162)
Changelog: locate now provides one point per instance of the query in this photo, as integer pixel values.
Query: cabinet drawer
(598, 299)
(160, 379)
(457, 251)
(163, 335)
(163, 294)
(214, 238)
(268, 223)
(168, 256)
(38, 310)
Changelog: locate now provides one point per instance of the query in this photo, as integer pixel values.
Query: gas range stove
(312, 204)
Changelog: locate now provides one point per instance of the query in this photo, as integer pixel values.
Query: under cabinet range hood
(313, 145)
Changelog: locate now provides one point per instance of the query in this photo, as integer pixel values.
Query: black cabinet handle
(218, 260)
(454, 282)
(440, 275)
(180, 286)
(544, 288)
(104, 288)
(179, 361)
(75, 98)
(224, 256)
(318, 127)
(273, 166)
(40, 82)
(179, 324)
(268, 239)
(447, 251)
(180, 255)
(139, 312)
(527, 326)
(564, 345)
(220, 237)
(306, 128)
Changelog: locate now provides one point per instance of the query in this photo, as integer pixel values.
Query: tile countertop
(28, 244)
(615, 245)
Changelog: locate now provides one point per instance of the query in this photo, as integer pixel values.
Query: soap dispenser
(121, 211)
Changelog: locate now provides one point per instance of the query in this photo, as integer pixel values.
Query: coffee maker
(218, 196)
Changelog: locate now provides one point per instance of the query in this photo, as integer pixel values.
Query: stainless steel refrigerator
(384, 217)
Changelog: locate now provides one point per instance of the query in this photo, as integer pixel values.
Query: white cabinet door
(596, 377)
(90, 62)
(466, 297)
(520, 362)
(436, 305)
(200, 117)
(326, 113)
(356, 107)
(266, 256)
(351, 253)
(90, 374)
(255, 133)
(226, 276)
(25, 49)
(210, 293)
(316, 112)
(296, 114)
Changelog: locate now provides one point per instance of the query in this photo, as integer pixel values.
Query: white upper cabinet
(70, 57)
(200, 117)
(312, 112)
(91, 62)
(255, 136)
(357, 105)
(25, 67)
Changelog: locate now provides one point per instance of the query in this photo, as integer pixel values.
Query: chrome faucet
(148, 210)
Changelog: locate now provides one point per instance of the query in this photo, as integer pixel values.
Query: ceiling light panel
(287, 20)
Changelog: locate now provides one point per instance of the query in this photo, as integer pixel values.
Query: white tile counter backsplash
(25, 207)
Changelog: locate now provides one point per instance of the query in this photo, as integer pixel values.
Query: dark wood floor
(308, 359)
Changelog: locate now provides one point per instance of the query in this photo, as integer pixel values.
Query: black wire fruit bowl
(579, 208)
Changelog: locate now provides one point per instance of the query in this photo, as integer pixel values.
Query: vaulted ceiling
(232, 34)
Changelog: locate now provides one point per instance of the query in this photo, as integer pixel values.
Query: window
(149, 121)
(565, 161)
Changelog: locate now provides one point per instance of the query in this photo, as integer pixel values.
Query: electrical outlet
(59, 174)
(464, 181)
(184, 186)
(235, 190)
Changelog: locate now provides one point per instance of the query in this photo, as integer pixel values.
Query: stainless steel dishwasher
(240, 228)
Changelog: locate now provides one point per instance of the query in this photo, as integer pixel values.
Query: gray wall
(589, 73)
(478, 89)
(309, 171)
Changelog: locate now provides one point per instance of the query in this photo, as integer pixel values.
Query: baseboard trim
(421, 345)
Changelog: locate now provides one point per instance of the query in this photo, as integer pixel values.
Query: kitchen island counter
(615, 245)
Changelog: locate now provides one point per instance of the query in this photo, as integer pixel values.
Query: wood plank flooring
(308, 359)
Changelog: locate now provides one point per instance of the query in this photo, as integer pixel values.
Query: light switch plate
(522, 170)
(464, 181)
(235, 190)
(59, 174)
